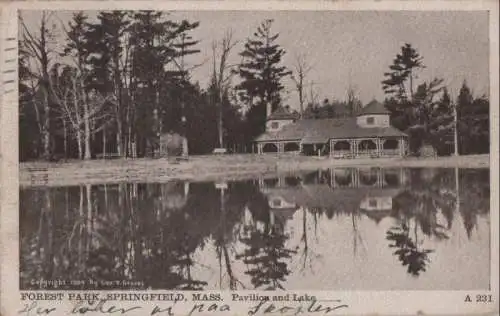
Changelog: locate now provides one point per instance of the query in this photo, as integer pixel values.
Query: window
(370, 120)
(275, 125)
(276, 203)
(372, 203)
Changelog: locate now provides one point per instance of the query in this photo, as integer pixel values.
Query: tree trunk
(89, 217)
(80, 145)
(46, 126)
(119, 147)
(65, 140)
(221, 144)
(86, 121)
(103, 151)
(81, 265)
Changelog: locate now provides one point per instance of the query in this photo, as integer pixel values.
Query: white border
(380, 302)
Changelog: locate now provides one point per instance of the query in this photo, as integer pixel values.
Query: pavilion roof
(321, 130)
(343, 200)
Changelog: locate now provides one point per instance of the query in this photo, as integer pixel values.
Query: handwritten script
(104, 307)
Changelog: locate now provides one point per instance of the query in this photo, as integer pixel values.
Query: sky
(350, 48)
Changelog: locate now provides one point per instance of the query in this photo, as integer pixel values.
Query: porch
(279, 147)
(368, 147)
(373, 147)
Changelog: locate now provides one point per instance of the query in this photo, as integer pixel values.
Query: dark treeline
(114, 83)
(426, 110)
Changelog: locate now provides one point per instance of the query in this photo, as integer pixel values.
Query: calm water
(343, 229)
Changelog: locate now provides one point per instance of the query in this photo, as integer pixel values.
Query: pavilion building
(369, 134)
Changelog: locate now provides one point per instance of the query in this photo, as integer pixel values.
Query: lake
(332, 229)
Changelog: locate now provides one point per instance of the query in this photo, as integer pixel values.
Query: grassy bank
(229, 167)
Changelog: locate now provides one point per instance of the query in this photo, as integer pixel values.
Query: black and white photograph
(254, 150)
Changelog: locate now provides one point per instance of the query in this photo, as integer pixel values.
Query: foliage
(333, 109)
(407, 251)
(261, 73)
(473, 122)
(426, 113)
(117, 83)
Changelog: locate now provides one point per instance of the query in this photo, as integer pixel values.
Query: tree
(161, 77)
(473, 122)
(110, 71)
(221, 78)
(399, 81)
(84, 112)
(76, 47)
(441, 125)
(130, 63)
(301, 70)
(410, 110)
(30, 124)
(261, 75)
(38, 46)
(353, 103)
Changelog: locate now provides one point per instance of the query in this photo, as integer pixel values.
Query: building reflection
(344, 190)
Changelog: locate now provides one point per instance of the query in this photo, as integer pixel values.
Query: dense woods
(112, 84)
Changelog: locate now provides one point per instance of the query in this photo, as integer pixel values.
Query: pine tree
(161, 75)
(261, 75)
(442, 124)
(410, 109)
(76, 47)
(399, 81)
(108, 40)
(473, 122)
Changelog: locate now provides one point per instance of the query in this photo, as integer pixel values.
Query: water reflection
(268, 233)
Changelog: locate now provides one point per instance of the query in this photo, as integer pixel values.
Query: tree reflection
(266, 254)
(233, 198)
(407, 251)
(434, 192)
(153, 233)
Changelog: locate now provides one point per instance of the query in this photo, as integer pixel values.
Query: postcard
(249, 158)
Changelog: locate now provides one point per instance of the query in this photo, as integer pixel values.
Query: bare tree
(38, 48)
(353, 102)
(83, 111)
(313, 94)
(301, 68)
(221, 76)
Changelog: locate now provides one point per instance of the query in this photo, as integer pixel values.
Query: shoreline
(212, 168)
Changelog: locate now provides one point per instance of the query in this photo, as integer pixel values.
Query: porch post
(382, 176)
(355, 175)
(261, 183)
(354, 148)
(401, 146)
(382, 142)
(379, 177)
(332, 178)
